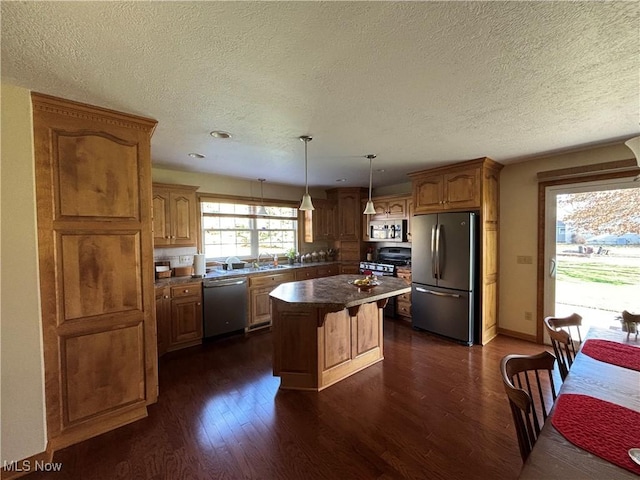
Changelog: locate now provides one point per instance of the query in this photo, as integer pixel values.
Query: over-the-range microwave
(388, 230)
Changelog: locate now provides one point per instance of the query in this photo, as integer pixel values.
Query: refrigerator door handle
(439, 294)
(438, 270)
(434, 258)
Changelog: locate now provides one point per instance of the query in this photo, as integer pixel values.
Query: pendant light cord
(306, 182)
(370, 174)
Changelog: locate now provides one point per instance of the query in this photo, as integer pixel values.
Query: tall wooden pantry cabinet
(93, 194)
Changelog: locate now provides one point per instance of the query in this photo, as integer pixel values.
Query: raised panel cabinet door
(260, 306)
(95, 249)
(330, 215)
(397, 208)
(163, 319)
(462, 189)
(428, 194)
(186, 319)
(161, 218)
(183, 219)
(350, 216)
(382, 209)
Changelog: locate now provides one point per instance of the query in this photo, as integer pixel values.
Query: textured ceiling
(419, 84)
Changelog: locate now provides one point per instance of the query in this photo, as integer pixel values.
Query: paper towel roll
(199, 269)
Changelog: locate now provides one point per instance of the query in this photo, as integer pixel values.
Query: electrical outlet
(184, 259)
(524, 259)
(528, 316)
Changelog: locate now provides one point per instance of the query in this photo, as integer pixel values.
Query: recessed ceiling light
(341, 180)
(196, 155)
(220, 134)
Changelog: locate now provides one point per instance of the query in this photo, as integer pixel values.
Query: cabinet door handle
(166, 296)
(198, 303)
(186, 291)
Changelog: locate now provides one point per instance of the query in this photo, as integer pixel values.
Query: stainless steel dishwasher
(225, 305)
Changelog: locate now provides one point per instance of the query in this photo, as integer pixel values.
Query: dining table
(555, 457)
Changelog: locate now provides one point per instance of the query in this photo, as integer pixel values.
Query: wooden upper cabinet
(453, 188)
(462, 189)
(319, 223)
(350, 215)
(174, 215)
(389, 207)
(93, 186)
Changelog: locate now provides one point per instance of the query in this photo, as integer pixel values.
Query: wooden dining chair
(528, 388)
(565, 346)
(628, 319)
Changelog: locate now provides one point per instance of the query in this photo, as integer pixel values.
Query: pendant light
(261, 210)
(369, 209)
(306, 204)
(634, 146)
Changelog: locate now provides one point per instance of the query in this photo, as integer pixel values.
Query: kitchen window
(236, 230)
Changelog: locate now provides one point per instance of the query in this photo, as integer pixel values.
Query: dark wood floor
(432, 409)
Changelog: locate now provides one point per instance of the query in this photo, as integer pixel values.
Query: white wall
(519, 230)
(23, 431)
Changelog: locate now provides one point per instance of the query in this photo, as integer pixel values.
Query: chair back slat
(531, 394)
(562, 341)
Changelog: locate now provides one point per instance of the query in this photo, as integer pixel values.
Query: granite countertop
(335, 293)
(218, 272)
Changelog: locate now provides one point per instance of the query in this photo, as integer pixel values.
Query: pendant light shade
(369, 209)
(261, 210)
(634, 146)
(306, 204)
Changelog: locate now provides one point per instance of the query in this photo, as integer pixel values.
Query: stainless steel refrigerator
(443, 273)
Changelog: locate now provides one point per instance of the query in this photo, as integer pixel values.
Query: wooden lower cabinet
(328, 270)
(186, 316)
(314, 348)
(350, 268)
(403, 302)
(259, 302)
(163, 318)
(306, 273)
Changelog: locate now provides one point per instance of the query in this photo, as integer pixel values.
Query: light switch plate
(184, 259)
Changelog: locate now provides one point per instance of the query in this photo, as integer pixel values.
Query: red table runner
(599, 427)
(626, 356)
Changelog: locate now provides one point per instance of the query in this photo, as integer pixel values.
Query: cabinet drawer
(274, 279)
(405, 297)
(406, 276)
(403, 308)
(306, 273)
(327, 270)
(186, 289)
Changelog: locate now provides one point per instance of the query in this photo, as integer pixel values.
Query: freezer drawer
(446, 312)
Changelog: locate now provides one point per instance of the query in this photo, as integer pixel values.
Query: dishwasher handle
(224, 283)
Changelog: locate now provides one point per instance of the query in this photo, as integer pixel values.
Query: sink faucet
(257, 262)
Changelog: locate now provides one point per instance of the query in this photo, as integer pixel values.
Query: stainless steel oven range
(385, 265)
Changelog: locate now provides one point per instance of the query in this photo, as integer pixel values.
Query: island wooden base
(314, 348)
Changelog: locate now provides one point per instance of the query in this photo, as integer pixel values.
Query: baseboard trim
(27, 465)
(514, 334)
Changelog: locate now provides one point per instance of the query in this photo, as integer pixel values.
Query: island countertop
(336, 293)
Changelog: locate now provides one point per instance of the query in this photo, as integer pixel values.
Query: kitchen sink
(271, 267)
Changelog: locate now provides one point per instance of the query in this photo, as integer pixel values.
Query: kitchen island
(326, 329)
